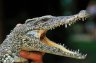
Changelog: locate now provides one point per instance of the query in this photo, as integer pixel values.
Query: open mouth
(65, 52)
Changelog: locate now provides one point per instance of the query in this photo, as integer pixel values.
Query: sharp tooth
(74, 51)
(60, 44)
(82, 19)
(78, 50)
(69, 24)
(63, 44)
(65, 25)
(85, 55)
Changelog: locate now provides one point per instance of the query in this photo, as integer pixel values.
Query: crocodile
(31, 36)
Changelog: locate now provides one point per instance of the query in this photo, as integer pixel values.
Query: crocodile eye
(44, 19)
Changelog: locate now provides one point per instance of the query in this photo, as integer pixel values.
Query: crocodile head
(35, 39)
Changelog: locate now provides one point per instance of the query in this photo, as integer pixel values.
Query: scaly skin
(31, 36)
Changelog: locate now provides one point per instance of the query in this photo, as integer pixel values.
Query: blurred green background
(81, 35)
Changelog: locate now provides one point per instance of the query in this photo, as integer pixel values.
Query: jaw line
(51, 43)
